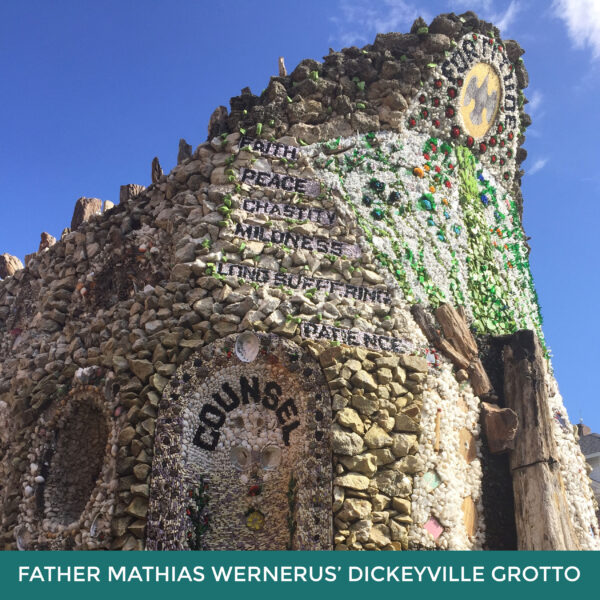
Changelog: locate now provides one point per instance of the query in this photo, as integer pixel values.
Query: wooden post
(456, 331)
(458, 343)
(541, 509)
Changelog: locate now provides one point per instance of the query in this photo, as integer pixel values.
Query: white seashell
(247, 346)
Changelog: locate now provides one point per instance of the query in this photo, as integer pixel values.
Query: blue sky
(92, 91)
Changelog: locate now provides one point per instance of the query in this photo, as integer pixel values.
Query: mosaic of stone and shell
(245, 450)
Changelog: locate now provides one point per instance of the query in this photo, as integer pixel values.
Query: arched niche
(73, 460)
(242, 457)
(68, 485)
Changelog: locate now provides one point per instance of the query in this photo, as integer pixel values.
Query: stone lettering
(234, 401)
(248, 391)
(288, 211)
(321, 331)
(271, 395)
(296, 240)
(217, 417)
(296, 281)
(213, 416)
(286, 410)
(469, 54)
(287, 429)
(201, 443)
(287, 183)
(270, 148)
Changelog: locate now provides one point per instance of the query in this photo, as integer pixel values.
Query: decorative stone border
(236, 464)
(40, 527)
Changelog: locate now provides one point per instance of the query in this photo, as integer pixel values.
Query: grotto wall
(231, 358)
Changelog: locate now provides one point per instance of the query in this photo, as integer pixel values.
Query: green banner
(290, 575)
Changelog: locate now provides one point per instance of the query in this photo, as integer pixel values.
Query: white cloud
(358, 21)
(582, 18)
(504, 21)
(535, 101)
(538, 165)
(535, 106)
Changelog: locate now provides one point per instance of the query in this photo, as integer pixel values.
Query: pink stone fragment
(434, 527)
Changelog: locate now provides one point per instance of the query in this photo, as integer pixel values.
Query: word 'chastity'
(289, 211)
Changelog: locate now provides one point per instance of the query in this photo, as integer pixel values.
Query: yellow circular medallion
(255, 520)
(480, 99)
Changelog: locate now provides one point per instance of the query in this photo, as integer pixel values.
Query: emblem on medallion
(480, 99)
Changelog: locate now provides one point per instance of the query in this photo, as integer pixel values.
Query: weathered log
(456, 331)
(480, 382)
(461, 375)
(541, 509)
(457, 359)
(423, 320)
(500, 426)
(458, 345)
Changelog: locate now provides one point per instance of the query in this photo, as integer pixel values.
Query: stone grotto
(319, 331)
